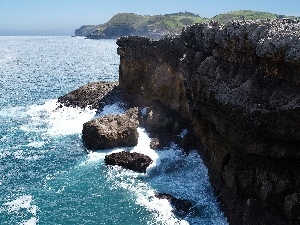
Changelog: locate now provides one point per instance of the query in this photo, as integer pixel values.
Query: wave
(23, 202)
(54, 120)
(171, 172)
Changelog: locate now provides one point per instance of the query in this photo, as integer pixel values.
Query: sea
(47, 176)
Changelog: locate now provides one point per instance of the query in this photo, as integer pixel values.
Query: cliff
(238, 85)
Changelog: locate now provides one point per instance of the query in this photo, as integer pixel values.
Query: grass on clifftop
(244, 15)
(173, 22)
(168, 24)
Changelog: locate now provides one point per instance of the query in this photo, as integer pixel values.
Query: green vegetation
(245, 15)
(156, 26)
(170, 22)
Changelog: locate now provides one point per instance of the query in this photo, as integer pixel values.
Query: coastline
(237, 88)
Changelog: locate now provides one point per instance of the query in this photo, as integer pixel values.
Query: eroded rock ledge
(239, 86)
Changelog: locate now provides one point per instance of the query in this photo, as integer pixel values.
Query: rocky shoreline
(236, 88)
(120, 130)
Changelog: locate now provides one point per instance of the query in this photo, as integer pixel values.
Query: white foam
(54, 121)
(143, 147)
(94, 157)
(68, 120)
(23, 202)
(144, 111)
(11, 112)
(26, 155)
(183, 176)
(36, 144)
(145, 194)
(183, 132)
(112, 109)
(31, 221)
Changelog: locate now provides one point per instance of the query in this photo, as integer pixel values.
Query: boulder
(89, 95)
(134, 161)
(163, 140)
(180, 205)
(111, 131)
(154, 143)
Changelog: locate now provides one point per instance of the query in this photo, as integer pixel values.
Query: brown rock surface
(88, 95)
(111, 131)
(130, 160)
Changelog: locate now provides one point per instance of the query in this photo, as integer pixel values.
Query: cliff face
(239, 86)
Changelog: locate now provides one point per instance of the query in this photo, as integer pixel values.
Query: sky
(62, 17)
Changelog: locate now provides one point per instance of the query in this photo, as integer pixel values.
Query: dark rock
(154, 144)
(111, 131)
(162, 140)
(189, 141)
(292, 206)
(180, 205)
(88, 95)
(134, 161)
(161, 119)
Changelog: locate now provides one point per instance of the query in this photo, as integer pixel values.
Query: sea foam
(23, 202)
(54, 121)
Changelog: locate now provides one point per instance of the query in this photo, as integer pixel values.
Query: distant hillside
(157, 26)
(84, 30)
(245, 15)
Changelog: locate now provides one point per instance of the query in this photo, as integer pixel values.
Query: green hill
(157, 26)
(244, 15)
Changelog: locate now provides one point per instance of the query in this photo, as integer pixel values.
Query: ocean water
(47, 176)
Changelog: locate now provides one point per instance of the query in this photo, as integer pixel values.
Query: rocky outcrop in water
(111, 131)
(90, 95)
(180, 205)
(238, 86)
(130, 160)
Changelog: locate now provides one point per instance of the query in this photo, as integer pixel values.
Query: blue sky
(62, 17)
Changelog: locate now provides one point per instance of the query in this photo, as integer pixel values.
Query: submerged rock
(180, 205)
(134, 161)
(111, 131)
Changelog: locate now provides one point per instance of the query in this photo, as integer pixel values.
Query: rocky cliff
(238, 85)
(84, 30)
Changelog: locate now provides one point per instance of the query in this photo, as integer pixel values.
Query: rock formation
(130, 160)
(238, 85)
(180, 205)
(84, 30)
(90, 95)
(111, 131)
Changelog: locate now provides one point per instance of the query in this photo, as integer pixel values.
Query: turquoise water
(46, 174)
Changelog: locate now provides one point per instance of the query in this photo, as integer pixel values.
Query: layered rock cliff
(238, 85)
